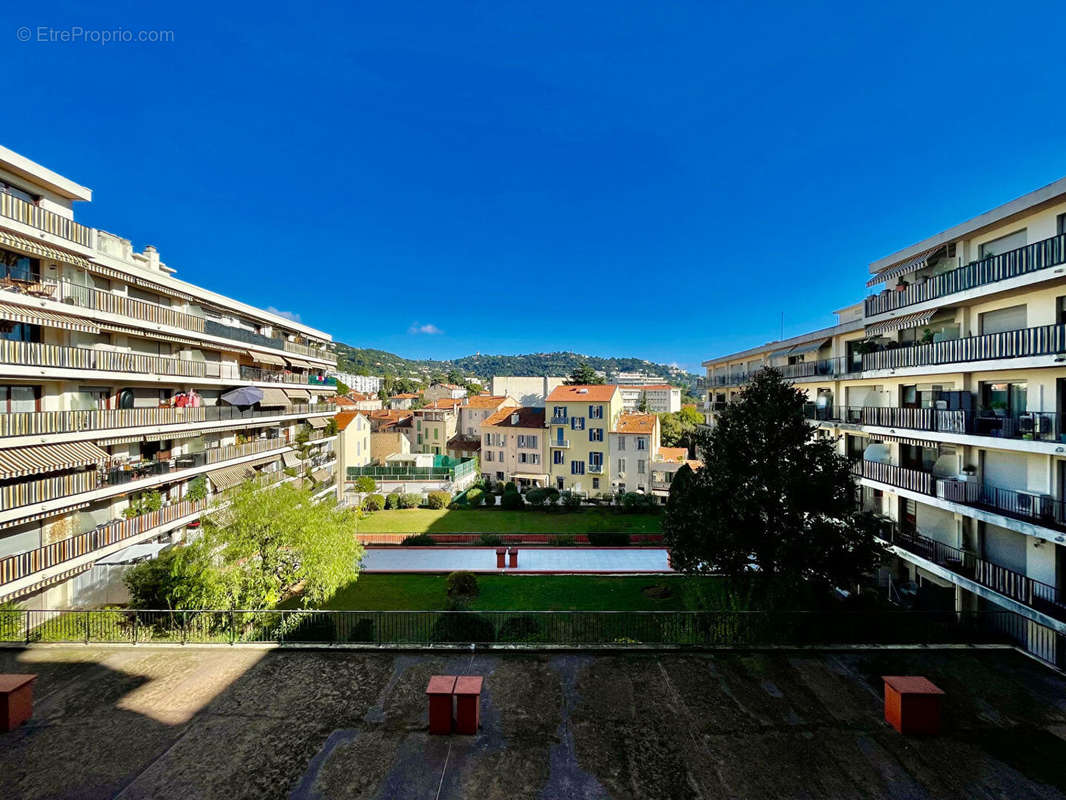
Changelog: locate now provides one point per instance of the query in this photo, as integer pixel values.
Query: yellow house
(579, 420)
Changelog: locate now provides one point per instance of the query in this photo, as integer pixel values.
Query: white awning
(299, 395)
(265, 358)
(913, 264)
(48, 319)
(321, 475)
(290, 460)
(317, 423)
(134, 553)
(273, 398)
(901, 323)
(18, 461)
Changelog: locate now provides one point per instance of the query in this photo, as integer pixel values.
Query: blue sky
(434, 179)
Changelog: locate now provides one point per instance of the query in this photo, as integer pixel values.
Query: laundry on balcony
(19, 461)
(9, 312)
(909, 265)
(901, 323)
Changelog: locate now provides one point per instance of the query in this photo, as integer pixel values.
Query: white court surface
(530, 559)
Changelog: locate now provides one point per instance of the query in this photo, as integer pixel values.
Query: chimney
(153, 257)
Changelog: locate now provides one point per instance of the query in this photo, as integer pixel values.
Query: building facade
(633, 445)
(656, 398)
(114, 431)
(948, 393)
(443, 391)
(433, 427)
(476, 410)
(579, 419)
(364, 384)
(514, 447)
(528, 391)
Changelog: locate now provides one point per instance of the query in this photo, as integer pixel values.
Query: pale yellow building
(579, 419)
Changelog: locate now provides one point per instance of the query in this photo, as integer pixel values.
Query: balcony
(1041, 426)
(558, 442)
(21, 565)
(595, 469)
(560, 421)
(823, 368)
(902, 477)
(1035, 594)
(275, 376)
(1024, 343)
(1038, 509)
(1023, 261)
(36, 423)
(45, 221)
(109, 303)
(59, 356)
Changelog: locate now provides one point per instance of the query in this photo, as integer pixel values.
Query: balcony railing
(217, 454)
(1028, 591)
(1034, 425)
(595, 469)
(1026, 342)
(60, 356)
(33, 423)
(560, 421)
(1030, 258)
(109, 303)
(42, 490)
(902, 477)
(558, 442)
(214, 328)
(21, 565)
(823, 368)
(48, 221)
(1039, 509)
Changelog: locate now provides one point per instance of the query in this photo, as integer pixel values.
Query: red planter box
(468, 704)
(16, 700)
(912, 704)
(440, 691)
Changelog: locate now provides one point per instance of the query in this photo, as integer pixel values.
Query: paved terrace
(608, 561)
(247, 723)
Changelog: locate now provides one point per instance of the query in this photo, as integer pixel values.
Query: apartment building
(117, 426)
(654, 398)
(403, 401)
(476, 410)
(637, 378)
(353, 445)
(527, 390)
(433, 427)
(579, 419)
(514, 446)
(364, 384)
(441, 391)
(950, 400)
(633, 445)
(355, 401)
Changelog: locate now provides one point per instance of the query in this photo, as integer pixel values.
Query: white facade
(527, 391)
(363, 384)
(111, 376)
(656, 399)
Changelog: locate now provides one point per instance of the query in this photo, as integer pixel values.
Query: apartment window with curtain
(577, 423)
(595, 412)
(557, 456)
(595, 434)
(16, 399)
(1004, 319)
(1012, 241)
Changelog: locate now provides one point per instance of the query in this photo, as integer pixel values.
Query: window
(1012, 241)
(528, 442)
(595, 434)
(595, 412)
(557, 456)
(596, 460)
(595, 483)
(621, 465)
(577, 467)
(499, 456)
(577, 423)
(488, 455)
(1060, 224)
(642, 443)
(559, 483)
(14, 399)
(621, 443)
(21, 332)
(640, 466)
(499, 476)
(1004, 319)
(19, 267)
(559, 412)
(1004, 399)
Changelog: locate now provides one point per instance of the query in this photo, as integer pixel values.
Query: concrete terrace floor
(246, 723)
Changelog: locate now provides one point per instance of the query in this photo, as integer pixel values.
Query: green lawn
(424, 520)
(531, 593)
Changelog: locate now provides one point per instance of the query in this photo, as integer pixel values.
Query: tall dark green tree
(773, 499)
(583, 375)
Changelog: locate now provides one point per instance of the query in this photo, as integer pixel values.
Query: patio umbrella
(244, 396)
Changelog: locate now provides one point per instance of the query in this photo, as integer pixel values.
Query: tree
(669, 430)
(365, 484)
(261, 545)
(342, 388)
(773, 499)
(583, 375)
(678, 429)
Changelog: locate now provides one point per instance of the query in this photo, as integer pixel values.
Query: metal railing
(558, 442)
(48, 221)
(1025, 342)
(1015, 585)
(33, 423)
(20, 565)
(107, 302)
(215, 328)
(41, 490)
(1034, 257)
(822, 368)
(560, 421)
(623, 629)
(1035, 425)
(217, 454)
(62, 357)
(902, 477)
(1034, 507)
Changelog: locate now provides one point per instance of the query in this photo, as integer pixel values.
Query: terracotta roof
(694, 464)
(448, 402)
(393, 414)
(405, 396)
(636, 423)
(344, 419)
(468, 443)
(528, 417)
(673, 453)
(597, 393)
(485, 401)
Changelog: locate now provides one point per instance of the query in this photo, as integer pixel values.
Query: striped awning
(266, 358)
(174, 436)
(119, 440)
(273, 397)
(137, 280)
(229, 477)
(290, 460)
(321, 475)
(809, 347)
(49, 319)
(41, 250)
(877, 437)
(318, 423)
(299, 363)
(901, 323)
(299, 395)
(55, 512)
(912, 264)
(19, 461)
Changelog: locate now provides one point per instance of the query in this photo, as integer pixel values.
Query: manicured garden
(491, 520)
(533, 593)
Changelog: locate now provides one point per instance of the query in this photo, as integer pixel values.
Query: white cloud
(289, 315)
(431, 330)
